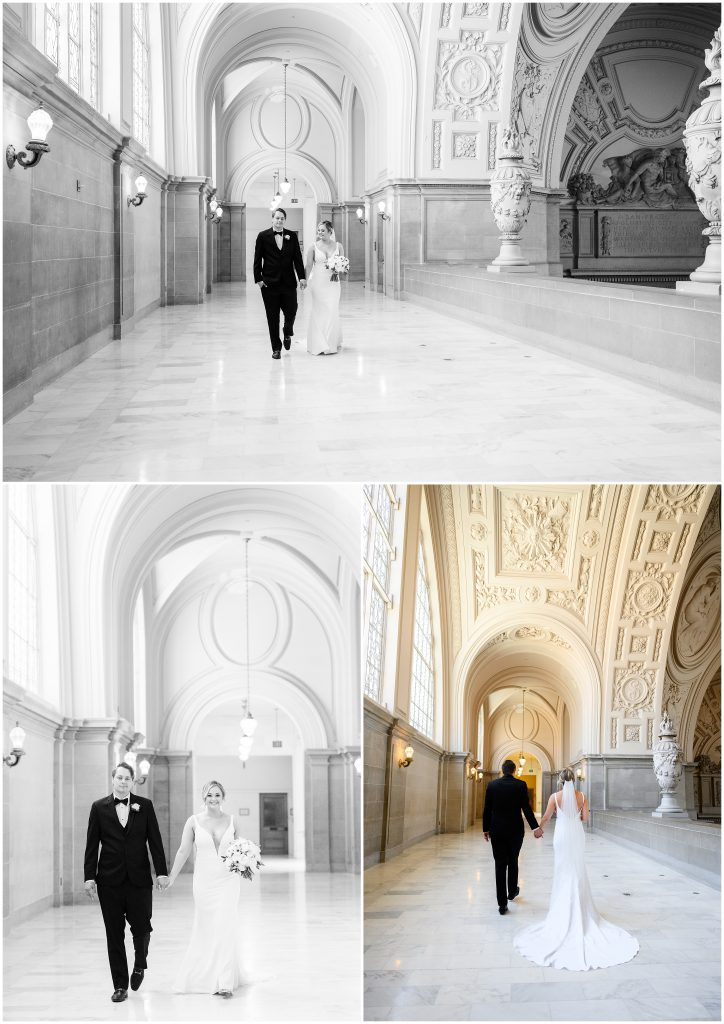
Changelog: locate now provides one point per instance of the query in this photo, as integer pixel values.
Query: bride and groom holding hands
(278, 265)
(124, 827)
(573, 935)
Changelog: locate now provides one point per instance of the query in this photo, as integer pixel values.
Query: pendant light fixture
(285, 185)
(521, 760)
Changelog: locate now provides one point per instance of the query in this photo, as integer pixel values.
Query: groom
(276, 256)
(505, 798)
(124, 825)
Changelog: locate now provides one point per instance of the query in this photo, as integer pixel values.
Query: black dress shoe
(512, 895)
(276, 354)
(136, 978)
(503, 910)
(287, 343)
(119, 995)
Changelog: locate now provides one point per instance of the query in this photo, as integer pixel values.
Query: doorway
(274, 824)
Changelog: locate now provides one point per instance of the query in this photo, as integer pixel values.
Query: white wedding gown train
(573, 935)
(213, 958)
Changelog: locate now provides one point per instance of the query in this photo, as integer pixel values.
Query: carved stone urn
(702, 138)
(668, 768)
(510, 202)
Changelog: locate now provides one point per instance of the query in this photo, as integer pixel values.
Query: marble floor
(437, 949)
(193, 394)
(302, 955)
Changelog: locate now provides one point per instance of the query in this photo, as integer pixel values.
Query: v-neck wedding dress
(213, 959)
(324, 332)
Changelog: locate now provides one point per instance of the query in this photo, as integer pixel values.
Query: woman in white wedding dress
(324, 333)
(212, 962)
(573, 935)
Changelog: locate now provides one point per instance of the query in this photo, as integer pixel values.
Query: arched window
(22, 588)
(422, 689)
(141, 95)
(69, 36)
(378, 520)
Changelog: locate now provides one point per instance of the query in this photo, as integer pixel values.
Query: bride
(324, 334)
(213, 959)
(573, 935)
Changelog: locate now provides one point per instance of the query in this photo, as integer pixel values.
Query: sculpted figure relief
(655, 177)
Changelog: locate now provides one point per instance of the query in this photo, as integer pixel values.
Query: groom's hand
(303, 284)
(487, 836)
(261, 284)
(162, 882)
(90, 888)
(538, 832)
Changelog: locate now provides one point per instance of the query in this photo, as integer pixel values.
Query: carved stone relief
(436, 143)
(707, 734)
(698, 617)
(531, 86)
(488, 596)
(475, 10)
(504, 17)
(712, 523)
(465, 145)
(587, 107)
(648, 593)
(633, 691)
(445, 10)
(448, 511)
(631, 733)
(415, 12)
(477, 498)
(530, 633)
(492, 144)
(535, 533)
(594, 501)
(478, 532)
(467, 79)
(669, 501)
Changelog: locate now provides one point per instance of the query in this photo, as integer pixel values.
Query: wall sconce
(144, 768)
(358, 765)
(39, 123)
(480, 773)
(140, 195)
(215, 209)
(406, 761)
(579, 774)
(382, 206)
(361, 215)
(17, 738)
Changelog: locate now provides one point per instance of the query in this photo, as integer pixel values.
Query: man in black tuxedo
(276, 257)
(505, 798)
(124, 825)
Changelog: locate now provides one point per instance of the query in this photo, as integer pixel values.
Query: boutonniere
(135, 807)
(286, 238)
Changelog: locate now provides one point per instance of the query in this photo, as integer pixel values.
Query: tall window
(22, 568)
(93, 93)
(378, 516)
(52, 32)
(74, 47)
(422, 690)
(141, 97)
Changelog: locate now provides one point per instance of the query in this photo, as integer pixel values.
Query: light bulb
(141, 184)
(17, 737)
(285, 186)
(381, 206)
(40, 122)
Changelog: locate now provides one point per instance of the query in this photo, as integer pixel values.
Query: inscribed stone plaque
(650, 233)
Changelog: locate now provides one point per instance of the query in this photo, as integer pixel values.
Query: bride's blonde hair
(567, 775)
(207, 787)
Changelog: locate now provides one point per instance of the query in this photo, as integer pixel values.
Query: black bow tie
(278, 232)
(117, 800)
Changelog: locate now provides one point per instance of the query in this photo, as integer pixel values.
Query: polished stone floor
(437, 949)
(302, 954)
(193, 394)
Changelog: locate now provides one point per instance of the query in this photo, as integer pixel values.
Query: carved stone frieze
(477, 498)
(614, 733)
(653, 177)
(669, 501)
(632, 733)
(467, 79)
(445, 11)
(594, 501)
(530, 633)
(535, 533)
(492, 144)
(660, 541)
(639, 644)
(478, 532)
(633, 690)
(531, 87)
(504, 17)
(586, 106)
(488, 596)
(475, 10)
(436, 143)
(648, 593)
(649, 733)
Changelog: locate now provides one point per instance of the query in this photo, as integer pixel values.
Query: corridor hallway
(193, 394)
(300, 950)
(437, 949)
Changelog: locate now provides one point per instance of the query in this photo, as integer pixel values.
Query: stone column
(510, 187)
(454, 804)
(316, 810)
(186, 240)
(702, 138)
(668, 768)
(173, 797)
(125, 158)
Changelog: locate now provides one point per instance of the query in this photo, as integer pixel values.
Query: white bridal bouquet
(243, 857)
(338, 265)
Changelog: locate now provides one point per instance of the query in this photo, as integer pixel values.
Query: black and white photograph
(501, 220)
(181, 702)
(542, 752)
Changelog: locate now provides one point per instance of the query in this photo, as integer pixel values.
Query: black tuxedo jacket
(274, 266)
(505, 798)
(124, 855)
